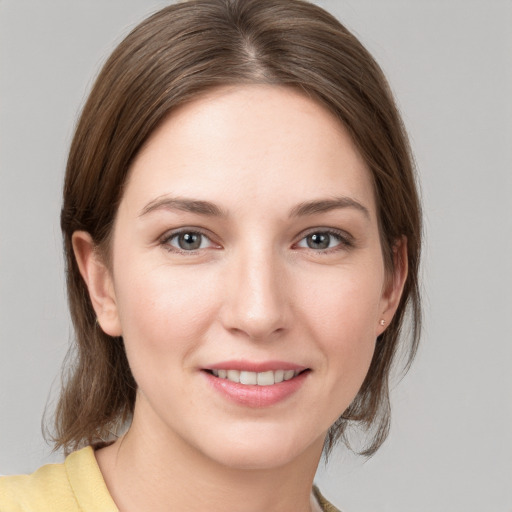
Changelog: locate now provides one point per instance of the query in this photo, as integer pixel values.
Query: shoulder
(41, 491)
(73, 486)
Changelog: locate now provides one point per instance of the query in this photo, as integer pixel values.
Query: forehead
(262, 144)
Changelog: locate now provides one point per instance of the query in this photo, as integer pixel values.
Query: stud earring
(382, 322)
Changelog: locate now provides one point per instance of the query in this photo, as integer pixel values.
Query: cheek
(163, 308)
(344, 304)
(343, 311)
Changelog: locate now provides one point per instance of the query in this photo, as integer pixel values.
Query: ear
(394, 285)
(99, 282)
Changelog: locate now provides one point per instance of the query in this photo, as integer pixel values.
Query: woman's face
(246, 248)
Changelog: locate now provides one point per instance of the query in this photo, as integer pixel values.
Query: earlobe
(394, 285)
(99, 282)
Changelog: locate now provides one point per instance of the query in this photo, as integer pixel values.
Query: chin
(263, 449)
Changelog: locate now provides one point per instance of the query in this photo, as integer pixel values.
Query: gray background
(449, 63)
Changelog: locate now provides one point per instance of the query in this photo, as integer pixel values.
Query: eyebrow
(183, 204)
(210, 209)
(325, 205)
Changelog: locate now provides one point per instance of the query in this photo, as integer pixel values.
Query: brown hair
(170, 58)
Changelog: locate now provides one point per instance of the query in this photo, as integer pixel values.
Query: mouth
(250, 378)
(256, 385)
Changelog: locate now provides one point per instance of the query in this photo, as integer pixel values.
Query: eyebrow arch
(325, 205)
(184, 204)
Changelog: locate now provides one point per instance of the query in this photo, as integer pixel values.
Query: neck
(146, 470)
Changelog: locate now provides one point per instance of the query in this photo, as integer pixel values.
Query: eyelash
(345, 241)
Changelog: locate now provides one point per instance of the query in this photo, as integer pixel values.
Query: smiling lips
(256, 385)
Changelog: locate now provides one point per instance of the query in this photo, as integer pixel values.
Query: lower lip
(256, 396)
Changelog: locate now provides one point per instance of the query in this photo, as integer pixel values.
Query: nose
(255, 302)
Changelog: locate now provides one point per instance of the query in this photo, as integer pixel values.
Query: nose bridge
(256, 303)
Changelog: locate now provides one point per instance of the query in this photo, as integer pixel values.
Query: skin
(254, 290)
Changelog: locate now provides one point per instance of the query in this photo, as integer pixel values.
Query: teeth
(248, 378)
(289, 374)
(256, 378)
(278, 376)
(266, 378)
(233, 375)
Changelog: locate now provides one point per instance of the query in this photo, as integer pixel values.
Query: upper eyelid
(344, 235)
(178, 231)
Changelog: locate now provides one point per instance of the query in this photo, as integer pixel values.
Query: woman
(242, 233)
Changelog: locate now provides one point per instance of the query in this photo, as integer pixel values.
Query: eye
(187, 241)
(322, 240)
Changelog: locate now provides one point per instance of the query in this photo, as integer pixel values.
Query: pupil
(318, 241)
(189, 241)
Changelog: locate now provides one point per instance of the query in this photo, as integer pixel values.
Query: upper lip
(254, 366)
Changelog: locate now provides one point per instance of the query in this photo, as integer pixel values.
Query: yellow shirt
(76, 485)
